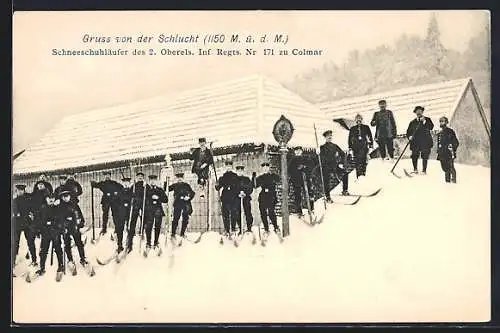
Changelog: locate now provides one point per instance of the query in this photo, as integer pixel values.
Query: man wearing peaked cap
(183, 194)
(155, 197)
(267, 181)
(22, 222)
(202, 159)
(447, 145)
(124, 206)
(229, 183)
(110, 199)
(419, 134)
(333, 160)
(71, 216)
(300, 171)
(327, 133)
(245, 195)
(138, 202)
(385, 130)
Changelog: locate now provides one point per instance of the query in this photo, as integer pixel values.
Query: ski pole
(142, 213)
(215, 175)
(52, 253)
(320, 167)
(92, 210)
(404, 149)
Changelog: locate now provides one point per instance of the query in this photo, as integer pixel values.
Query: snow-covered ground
(419, 251)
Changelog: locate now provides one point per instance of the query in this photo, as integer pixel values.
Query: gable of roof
(438, 99)
(229, 113)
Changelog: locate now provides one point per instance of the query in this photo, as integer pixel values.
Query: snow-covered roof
(438, 99)
(229, 113)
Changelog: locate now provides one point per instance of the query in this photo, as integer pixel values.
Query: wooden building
(238, 116)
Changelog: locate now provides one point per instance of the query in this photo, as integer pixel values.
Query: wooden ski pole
(320, 167)
(92, 211)
(143, 213)
(52, 253)
(404, 149)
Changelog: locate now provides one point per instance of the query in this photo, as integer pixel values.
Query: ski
(263, 240)
(280, 237)
(349, 199)
(159, 251)
(104, 262)
(59, 276)
(32, 276)
(120, 257)
(306, 222)
(374, 193)
(72, 268)
(408, 174)
(89, 269)
(237, 239)
(145, 252)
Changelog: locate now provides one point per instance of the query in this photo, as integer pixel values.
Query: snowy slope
(419, 251)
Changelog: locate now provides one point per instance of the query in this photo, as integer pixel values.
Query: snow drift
(418, 251)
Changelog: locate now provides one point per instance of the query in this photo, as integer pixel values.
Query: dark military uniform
(245, 195)
(447, 144)
(155, 197)
(267, 198)
(137, 206)
(300, 167)
(332, 156)
(22, 222)
(123, 212)
(183, 194)
(229, 183)
(46, 184)
(385, 131)
(360, 141)
(75, 188)
(72, 221)
(109, 201)
(200, 157)
(51, 228)
(421, 142)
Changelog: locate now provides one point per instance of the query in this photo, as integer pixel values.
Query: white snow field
(417, 252)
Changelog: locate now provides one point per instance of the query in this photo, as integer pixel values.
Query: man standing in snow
(300, 168)
(447, 144)
(202, 160)
(267, 181)
(22, 213)
(123, 214)
(183, 194)
(155, 197)
(137, 207)
(245, 195)
(332, 162)
(360, 142)
(419, 134)
(110, 199)
(229, 183)
(68, 183)
(385, 129)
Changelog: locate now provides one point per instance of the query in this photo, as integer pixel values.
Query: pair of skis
(32, 276)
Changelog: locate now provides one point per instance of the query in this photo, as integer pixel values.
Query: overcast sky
(46, 87)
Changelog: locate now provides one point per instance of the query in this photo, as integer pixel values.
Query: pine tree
(434, 46)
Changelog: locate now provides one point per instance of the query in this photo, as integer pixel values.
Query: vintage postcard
(251, 167)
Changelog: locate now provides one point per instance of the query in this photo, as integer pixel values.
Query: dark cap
(21, 187)
(153, 177)
(327, 133)
(139, 174)
(63, 193)
(179, 174)
(264, 164)
(444, 118)
(418, 108)
(382, 101)
(126, 179)
(298, 148)
(228, 163)
(107, 173)
(202, 140)
(240, 167)
(63, 177)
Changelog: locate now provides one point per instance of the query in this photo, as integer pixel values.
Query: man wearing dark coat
(155, 197)
(138, 193)
(419, 134)
(202, 159)
(360, 142)
(124, 208)
(267, 181)
(229, 183)
(447, 145)
(183, 194)
(300, 168)
(385, 129)
(110, 199)
(38, 199)
(332, 162)
(68, 183)
(245, 195)
(22, 213)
